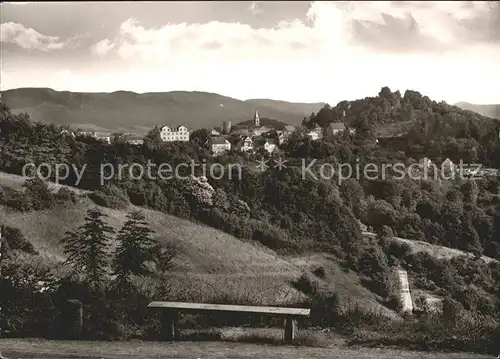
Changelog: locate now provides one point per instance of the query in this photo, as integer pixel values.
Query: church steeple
(256, 119)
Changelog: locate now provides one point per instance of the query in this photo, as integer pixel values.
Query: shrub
(25, 301)
(111, 196)
(14, 240)
(320, 272)
(399, 250)
(38, 191)
(20, 201)
(3, 196)
(394, 302)
(65, 195)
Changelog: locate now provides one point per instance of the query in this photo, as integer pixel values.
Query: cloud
(254, 8)
(331, 27)
(28, 38)
(103, 47)
(330, 52)
(421, 26)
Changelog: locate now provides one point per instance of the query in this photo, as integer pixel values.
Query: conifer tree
(86, 249)
(135, 245)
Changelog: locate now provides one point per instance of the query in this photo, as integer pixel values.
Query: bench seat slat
(231, 308)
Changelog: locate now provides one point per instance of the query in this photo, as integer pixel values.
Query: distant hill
(277, 125)
(125, 111)
(492, 111)
(293, 107)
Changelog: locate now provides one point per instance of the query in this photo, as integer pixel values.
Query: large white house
(171, 133)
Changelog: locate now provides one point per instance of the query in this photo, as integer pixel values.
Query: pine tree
(135, 245)
(86, 249)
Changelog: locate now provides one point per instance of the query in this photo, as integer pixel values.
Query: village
(255, 137)
(250, 138)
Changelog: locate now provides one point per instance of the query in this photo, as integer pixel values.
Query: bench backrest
(231, 308)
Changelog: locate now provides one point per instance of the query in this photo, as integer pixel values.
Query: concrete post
(290, 329)
(74, 318)
(169, 325)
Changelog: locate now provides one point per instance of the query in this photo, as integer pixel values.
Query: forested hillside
(427, 128)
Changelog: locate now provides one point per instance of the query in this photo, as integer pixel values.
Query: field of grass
(15, 181)
(43, 349)
(209, 264)
(207, 259)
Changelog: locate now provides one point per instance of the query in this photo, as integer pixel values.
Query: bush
(399, 250)
(20, 201)
(432, 331)
(14, 240)
(110, 196)
(3, 196)
(27, 308)
(65, 195)
(38, 192)
(394, 302)
(320, 272)
(324, 304)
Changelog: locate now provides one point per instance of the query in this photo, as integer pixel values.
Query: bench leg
(290, 329)
(169, 325)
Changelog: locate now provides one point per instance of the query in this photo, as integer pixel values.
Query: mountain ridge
(127, 111)
(489, 110)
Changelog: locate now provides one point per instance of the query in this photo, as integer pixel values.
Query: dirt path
(45, 349)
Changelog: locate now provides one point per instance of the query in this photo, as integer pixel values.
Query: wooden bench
(171, 309)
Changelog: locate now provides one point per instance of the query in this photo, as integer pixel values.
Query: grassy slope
(209, 262)
(209, 259)
(208, 255)
(131, 112)
(16, 181)
(434, 250)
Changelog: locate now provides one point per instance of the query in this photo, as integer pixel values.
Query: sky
(292, 51)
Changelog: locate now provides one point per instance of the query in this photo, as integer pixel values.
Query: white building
(256, 119)
(270, 145)
(316, 133)
(171, 133)
(134, 139)
(285, 134)
(102, 136)
(67, 132)
(258, 131)
(218, 144)
(247, 144)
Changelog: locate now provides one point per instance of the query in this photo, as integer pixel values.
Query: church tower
(256, 119)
